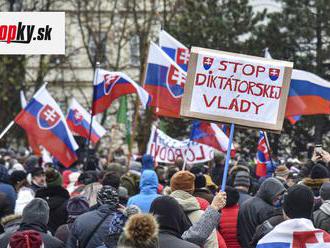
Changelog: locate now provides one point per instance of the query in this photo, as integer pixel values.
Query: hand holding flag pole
(224, 178)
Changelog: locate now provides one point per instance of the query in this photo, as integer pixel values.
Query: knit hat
(282, 171)
(200, 181)
(37, 211)
(209, 182)
(37, 171)
(77, 206)
(147, 162)
(53, 178)
(26, 239)
(31, 163)
(141, 230)
(135, 166)
(325, 191)
(183, 180)
(242, 178)
(108, 195)
(17, 176)
(298, 202)
(319, 171)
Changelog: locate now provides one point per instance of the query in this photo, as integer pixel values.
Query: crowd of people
(144, 204)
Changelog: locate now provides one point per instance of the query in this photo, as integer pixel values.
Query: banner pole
(7, 129)
(97, 67)
(225, 172)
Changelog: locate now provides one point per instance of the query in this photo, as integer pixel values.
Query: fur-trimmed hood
(315, 183)
(11, 220)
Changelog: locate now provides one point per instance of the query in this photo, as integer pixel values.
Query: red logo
(47, 117)
(274, 73)
(109, 82)
(207, 62)
(317, 239)
(182, 56)
(175, 82)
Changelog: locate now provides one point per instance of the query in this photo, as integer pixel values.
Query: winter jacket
(228, 226)
(130, 181)
(86, 223)
(48, 240)
(24, 196)
(57, 198)
(191, 207)
(204, 193)
(10, 194)
(148, 191)
(321, 217)
(256, 210)
(243, 197)
(63, 232)
(166, 239)
(315, 185)
(11, 223)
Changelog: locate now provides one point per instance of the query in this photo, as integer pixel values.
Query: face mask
(278, 203)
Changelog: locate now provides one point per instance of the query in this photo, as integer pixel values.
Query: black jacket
(169, 240)
(256, 210)
(57, 198)
(321, 217)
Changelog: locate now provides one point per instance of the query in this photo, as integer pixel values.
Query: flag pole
(7, 129)
(268, 148)
(224, 177)
(97, 67)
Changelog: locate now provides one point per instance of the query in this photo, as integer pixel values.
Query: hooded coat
(192, 208)
(256, 210)
(172, 221)
(148, 191)
(321, 217)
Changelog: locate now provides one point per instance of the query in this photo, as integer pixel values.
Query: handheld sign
(236, 88)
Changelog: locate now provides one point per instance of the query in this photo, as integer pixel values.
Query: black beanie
(200, 181)
(319, 171)
(232, 196)
(299, 202)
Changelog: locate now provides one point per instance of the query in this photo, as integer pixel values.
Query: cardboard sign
(165, 149)
(236, 88)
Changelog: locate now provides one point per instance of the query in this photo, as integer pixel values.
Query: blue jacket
(10, 194)
(148, 191)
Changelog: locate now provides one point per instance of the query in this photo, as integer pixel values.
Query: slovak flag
(210, 134)
(79, 120)
(164, 81)
(295, 233)
(42, 118)
(262, 156)
(174, 49)
(108, 86)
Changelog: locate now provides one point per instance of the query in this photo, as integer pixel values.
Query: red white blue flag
(79, 120)
(108, 86)
(174, 49)
(164, 81)
(262, 155)
(295, 233)
(42, 118)
(210, 134)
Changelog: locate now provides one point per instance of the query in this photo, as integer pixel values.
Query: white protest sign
(165, 149)
(235, 88)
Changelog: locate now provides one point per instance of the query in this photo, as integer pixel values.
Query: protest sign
(236, 88)
(166, 149)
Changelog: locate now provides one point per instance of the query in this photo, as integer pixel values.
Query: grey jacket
(321, 217)
(86, 223)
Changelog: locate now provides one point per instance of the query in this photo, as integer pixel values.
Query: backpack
(26, 239)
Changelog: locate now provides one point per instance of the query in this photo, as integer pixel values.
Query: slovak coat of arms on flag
(207, 62)
(274, 73)
(48, 118)
(175, 82)
(110, 81)
(78, 118)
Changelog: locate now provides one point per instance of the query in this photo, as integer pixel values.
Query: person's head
(282, 172)
(179, 163)
(76, 206)
(3, 174)
(147, 162)
(242, 181)
(108, 195)
(232, 196)
(161, 173)
(200, 181)
(140, 231)
(18, 179)
(53, 178)
(319, 171)
(183, 180)
(87, 177)
(271, 191)
(170, 215)
(171, 170)
(298, 202)
(112, 179)
(36, 212)
(38, 177)
(325, 191)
